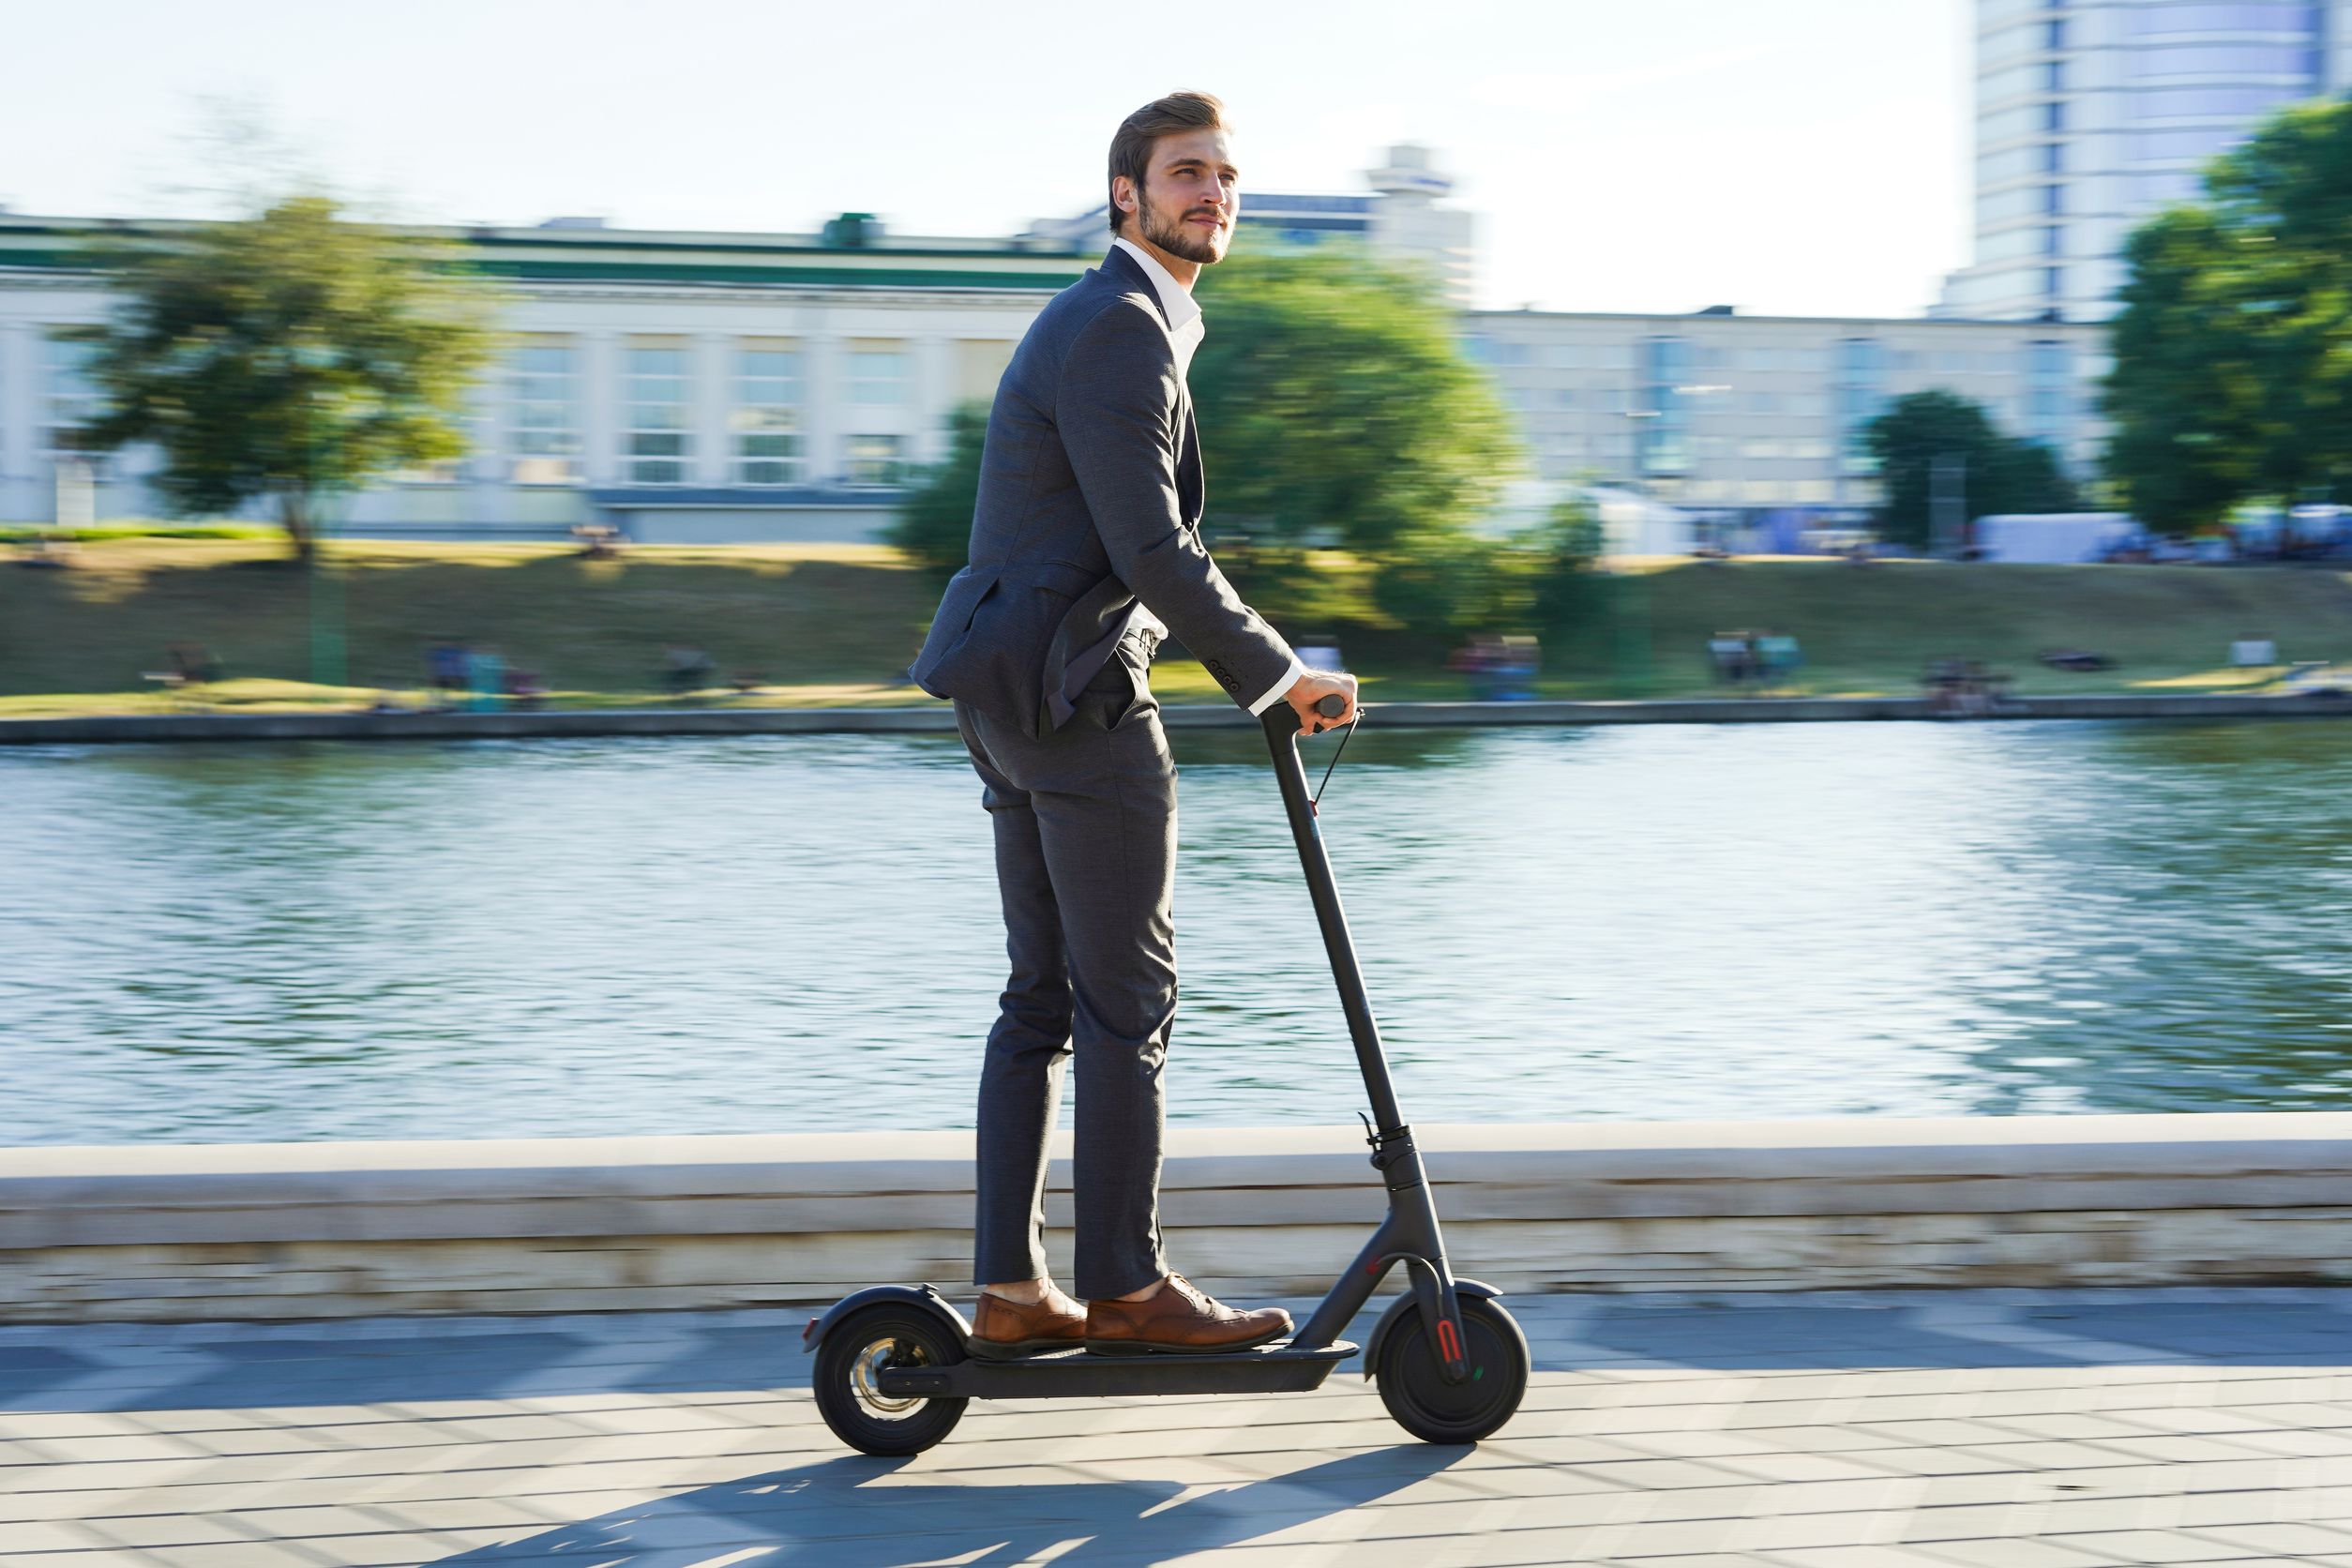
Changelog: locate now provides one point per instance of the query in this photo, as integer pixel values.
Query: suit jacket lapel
(1188, 478)
(1189, 486)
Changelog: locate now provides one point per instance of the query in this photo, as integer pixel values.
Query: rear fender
(921, 1296)
(1464, 1289)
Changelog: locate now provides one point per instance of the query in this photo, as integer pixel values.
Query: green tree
(2182, 392)
(2233, 348)
(289, 356)
(933, 521)
(1339, 411)
(2000, 473)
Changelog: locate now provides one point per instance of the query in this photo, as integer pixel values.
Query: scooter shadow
(850, 1513)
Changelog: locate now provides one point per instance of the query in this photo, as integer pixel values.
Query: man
(1085, 551)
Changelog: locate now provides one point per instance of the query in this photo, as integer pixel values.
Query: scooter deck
(1078, 1375)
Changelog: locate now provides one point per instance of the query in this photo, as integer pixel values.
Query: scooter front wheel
(849, 1368)
(1414, 1389)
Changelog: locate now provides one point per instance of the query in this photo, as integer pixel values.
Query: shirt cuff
(1291, 678)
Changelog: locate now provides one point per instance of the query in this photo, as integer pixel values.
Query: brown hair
(1131, 144)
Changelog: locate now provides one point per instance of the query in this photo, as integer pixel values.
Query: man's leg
(1020, 1076)
(1103, 790)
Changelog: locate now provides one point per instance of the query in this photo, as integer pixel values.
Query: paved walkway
(2012, 1429)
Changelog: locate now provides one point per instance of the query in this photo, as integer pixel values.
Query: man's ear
(1123, 194)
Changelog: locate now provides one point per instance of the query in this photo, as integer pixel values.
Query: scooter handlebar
(1283, 719)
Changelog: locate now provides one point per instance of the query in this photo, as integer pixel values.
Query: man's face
(1191, 197)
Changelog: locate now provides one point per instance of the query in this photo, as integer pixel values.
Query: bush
(934, 520)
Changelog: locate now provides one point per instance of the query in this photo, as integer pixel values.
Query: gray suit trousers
(1085, 825)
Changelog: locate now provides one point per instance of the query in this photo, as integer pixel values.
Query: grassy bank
(834, 624)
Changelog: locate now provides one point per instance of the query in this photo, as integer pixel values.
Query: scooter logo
(1449, 1342)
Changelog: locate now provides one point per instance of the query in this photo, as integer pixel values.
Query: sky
(1787, 156)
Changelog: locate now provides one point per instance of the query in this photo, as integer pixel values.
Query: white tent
(1634, 524)
(2052, 537)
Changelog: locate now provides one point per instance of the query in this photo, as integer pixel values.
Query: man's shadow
(846, 1512)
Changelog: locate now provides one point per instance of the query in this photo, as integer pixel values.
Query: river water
(796, 933)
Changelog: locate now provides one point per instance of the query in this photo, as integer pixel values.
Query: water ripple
(798, 933)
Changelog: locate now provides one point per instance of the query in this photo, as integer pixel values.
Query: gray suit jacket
(1090, 500)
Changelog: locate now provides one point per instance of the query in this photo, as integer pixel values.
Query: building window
(2054, 158)
(1861, 396)
(657, 441)
(2251, 16)
(2209, 59)
(1662, 437)
(1564, 398)
(2054, 116)
(875, 460)
(767, 415)
(2053, 281)
(878, 373)
(70, 399)
(543, 419)
(980, 365)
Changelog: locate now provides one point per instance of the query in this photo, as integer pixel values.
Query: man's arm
(1116, 408)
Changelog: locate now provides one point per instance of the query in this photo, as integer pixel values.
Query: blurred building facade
(1757, 419)
(708, 387)
(686, 387)
(2090, 115)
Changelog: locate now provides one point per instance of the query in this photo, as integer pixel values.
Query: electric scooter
(894, 1373)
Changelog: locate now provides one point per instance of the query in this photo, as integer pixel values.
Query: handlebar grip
(1332, 706)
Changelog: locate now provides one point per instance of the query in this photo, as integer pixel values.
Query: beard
(1172, 235)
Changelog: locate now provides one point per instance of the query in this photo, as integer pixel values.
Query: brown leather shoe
(1002, 1330)
(1179, 1317)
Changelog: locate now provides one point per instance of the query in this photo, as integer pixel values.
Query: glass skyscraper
(2092, 114)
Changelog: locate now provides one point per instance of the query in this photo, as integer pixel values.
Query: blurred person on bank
(1085, 553)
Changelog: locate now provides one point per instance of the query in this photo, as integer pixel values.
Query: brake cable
(1316, 803)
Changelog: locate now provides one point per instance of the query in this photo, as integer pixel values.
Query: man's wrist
(1274, 693)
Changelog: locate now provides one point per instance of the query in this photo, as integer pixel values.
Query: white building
(2093, 115)
(694, 388)
(687, 386)
(1755, 419)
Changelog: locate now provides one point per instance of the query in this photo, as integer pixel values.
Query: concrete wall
(333, 1229)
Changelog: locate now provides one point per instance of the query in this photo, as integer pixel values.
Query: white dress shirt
(1184, 330)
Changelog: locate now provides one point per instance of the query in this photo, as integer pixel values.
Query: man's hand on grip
(1314, 687)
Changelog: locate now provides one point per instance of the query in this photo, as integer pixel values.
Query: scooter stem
(1410, 1233)
(1281, 723)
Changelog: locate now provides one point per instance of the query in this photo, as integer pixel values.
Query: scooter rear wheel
(1424, 1404)
(849, 1363)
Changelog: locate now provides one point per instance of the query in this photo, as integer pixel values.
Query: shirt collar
(1176, 299)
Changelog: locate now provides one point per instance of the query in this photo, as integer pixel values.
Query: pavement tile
(2153, 1546)
(1828, 1430)
(1856, 1557)
(2280, 1539)
(2017, 1552)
